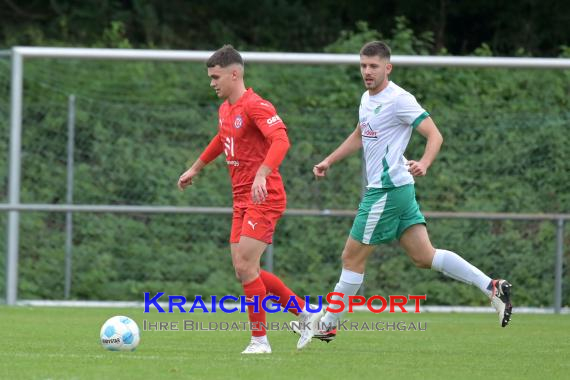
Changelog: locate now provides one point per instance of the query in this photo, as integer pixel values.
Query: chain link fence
(138, 125)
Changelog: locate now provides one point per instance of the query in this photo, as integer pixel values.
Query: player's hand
(259, 189)
(417, 168)
(320, 169)
(186, 178)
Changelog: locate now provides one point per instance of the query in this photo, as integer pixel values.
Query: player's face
(222, 80)
(375, 71)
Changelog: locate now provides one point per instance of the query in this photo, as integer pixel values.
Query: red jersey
(243, 128)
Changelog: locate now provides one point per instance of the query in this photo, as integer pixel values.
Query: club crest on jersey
(367, 131)
(377, 109)
(238, 122)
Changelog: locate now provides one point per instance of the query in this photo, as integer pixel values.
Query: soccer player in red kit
(254, 141)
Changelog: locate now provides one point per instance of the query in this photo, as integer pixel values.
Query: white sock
(307, 313)
(260, 339)
(348, 284)
(452, 265)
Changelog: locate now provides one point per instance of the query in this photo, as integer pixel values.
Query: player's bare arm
(352, 144)
(213, 150)
(259, 189)
(187, 177)
(429, 130)
(279, 145)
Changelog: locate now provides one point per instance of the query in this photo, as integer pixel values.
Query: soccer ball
(120, 333)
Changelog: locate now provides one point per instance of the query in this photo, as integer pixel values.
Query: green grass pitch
(63, 343)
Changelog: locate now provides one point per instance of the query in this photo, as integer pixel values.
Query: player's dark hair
(376, 48)
(225, 56)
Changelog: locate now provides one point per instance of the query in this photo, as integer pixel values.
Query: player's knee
(244, 270)
(352, 262)
(347, 259)
(241, 270)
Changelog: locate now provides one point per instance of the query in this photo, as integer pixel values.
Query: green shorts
(384, 215)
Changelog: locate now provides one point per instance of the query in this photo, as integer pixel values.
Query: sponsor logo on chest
(367, 131)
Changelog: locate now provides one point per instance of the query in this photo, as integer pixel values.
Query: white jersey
(386, 123)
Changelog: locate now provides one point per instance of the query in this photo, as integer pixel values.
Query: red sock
(256, 288)
(275, 286)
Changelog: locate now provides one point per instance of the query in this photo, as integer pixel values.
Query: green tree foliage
(532, 27)
(140, 124)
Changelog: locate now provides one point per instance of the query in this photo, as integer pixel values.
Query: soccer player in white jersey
(389, 211)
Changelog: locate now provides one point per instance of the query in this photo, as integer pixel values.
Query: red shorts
(255, 221)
